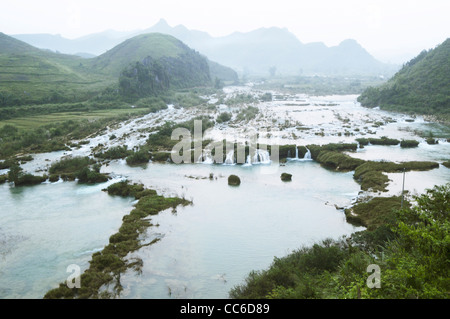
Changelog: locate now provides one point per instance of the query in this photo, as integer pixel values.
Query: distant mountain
(94, 44)
(254, 52)
(421, 86)
(258, 51)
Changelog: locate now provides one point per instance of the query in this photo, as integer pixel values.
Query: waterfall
(205, 159)
(248, 162)
(296, 152)
(229, 160)
(307, 154)
(261, 157)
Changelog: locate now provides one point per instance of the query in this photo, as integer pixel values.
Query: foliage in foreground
(412, 257)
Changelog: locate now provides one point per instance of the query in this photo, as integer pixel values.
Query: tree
(15, 172)
(416, 264)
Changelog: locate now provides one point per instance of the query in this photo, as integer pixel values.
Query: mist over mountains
(264, 52)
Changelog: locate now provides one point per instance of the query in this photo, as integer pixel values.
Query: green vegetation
(78, 168)
(139, 157)
(17, 176)
(383, 141)
(115, 152)
(409, 143)
(370, 174)
(374, 213)
(53, 133)
(338, 161)
(234, 180)
(410, 246)
(247, 114)
(106, 266)
(161, 139)
(32, 76)
(421, 86)
(335, 147)
(223, 117)
(240, 99)
(286, 177)
(446, 164)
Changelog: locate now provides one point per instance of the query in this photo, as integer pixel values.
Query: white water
(210, 246)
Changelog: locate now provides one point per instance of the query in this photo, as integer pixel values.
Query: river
(210, 246)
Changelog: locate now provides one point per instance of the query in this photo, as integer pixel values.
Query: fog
(392, 31)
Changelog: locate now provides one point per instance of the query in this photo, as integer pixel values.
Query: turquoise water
(205, 248)
(46, 228)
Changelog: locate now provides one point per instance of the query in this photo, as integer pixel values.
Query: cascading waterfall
(229, 160)
(261, 157)
(306, 157)
(205, 158)
(248, 161)
(307, 154)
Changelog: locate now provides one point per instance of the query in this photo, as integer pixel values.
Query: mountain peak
(350, 43)
(162, 23)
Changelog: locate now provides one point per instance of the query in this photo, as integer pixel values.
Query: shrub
(223, 117)
(383, 141)
(338, 161)
(140, 157)
(234, 180)
(115, 152)
(70, 165)
(409, 143)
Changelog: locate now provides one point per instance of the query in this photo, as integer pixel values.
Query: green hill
(422, 86)
(32, 76)
(141, 66)
(151, 63)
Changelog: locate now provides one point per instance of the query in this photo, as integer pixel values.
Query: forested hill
(422, 86)
(145, 65)
(150, 63)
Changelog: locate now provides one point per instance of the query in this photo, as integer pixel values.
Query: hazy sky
(388, 29)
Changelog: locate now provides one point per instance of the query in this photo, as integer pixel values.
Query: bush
(223, 117)
(234, 180)
(137, 158)
(285, 177)
(160, 156)
(383, 141)
(88, 176)
(409, 143)
(115, 152)
(338, 161)
(70, 165)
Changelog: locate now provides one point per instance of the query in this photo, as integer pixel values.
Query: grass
(338, 161)
(375, 213)
(370, 174)
(409, 143)
(33, 122)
